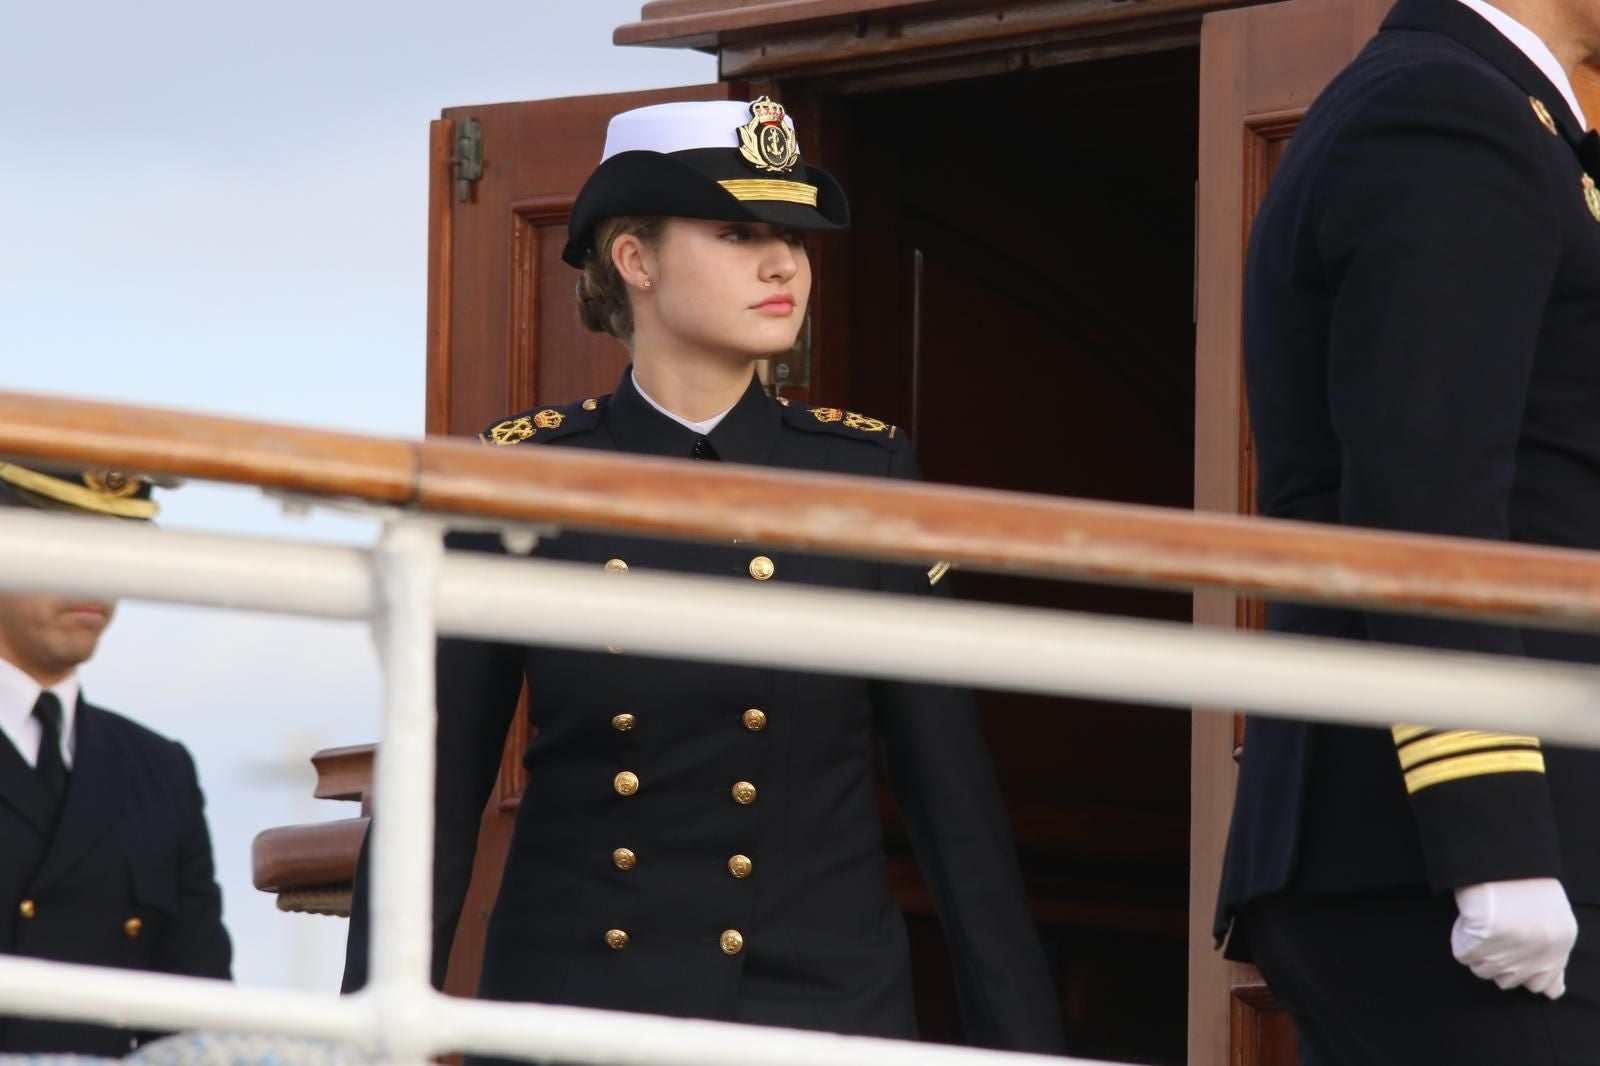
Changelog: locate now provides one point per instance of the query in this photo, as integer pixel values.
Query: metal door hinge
(468, 160)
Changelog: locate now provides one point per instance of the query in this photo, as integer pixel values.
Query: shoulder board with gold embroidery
(842, 423)
(543, 424)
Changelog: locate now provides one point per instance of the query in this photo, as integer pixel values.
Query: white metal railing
(408, 588)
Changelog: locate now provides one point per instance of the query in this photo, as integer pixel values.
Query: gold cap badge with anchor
(765, 141)
(768, 144)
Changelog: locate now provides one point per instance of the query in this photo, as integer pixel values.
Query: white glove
(1516, 933)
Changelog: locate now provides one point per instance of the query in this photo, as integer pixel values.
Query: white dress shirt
(1529, 44)
(18, 694)
(702, 428)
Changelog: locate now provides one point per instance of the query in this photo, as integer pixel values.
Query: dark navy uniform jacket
(121, 875)
(1422, 344)
(736, 871)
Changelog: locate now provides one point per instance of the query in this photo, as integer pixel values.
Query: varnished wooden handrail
(985, 529)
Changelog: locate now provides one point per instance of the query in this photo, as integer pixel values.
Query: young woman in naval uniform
(703, 840)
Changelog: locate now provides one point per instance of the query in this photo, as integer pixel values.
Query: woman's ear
(635, 261)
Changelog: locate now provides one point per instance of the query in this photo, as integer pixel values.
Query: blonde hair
(603, 302)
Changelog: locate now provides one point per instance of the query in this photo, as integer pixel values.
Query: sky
(222, 207)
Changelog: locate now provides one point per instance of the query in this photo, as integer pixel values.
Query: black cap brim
(689, 185)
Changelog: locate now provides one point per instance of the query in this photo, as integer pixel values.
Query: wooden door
(503, 330)
(1260, 68)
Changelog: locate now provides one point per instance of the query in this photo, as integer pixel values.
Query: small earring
(648, 283)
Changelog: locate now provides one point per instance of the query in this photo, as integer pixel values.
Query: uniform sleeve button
(762, 568)
(626, 783)
(740, 866)
(744, 793)
(27, 909)
(132, 928)
(755, 719)
(732, 941)
(617, 938)
(624, 723)
(624, 858)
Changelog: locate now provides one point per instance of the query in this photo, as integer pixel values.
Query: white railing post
(405, 569)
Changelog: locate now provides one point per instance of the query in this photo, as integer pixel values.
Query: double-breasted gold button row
(27, 910)
(740, 866)
(626, 783)
(761, 567)
(754, 719)
(731, 941)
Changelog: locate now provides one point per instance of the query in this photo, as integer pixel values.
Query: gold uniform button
(755, 719)
(744, 793)
(624, 858)
(616, 566)
(617, 938)
(740, 866)
(626, 783)
(732, 941)
(27, 909)
(591, 405)
(132, 928)
(762, 568)
(624, 723)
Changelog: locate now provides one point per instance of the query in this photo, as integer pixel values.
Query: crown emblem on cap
(765, 142)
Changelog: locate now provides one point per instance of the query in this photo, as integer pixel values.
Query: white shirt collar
(18, 694)
(702, 428)
(1529, 44)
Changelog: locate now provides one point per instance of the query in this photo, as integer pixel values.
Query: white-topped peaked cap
(713, 159)
(678, 127)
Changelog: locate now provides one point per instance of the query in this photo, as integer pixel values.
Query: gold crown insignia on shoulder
(525, 426)
(851, 420)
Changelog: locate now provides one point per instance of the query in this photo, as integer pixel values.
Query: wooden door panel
(503, 334)
(1260, 68)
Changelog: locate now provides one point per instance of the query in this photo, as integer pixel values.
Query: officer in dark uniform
(1422, 343)
(703, 840)
(105, 859)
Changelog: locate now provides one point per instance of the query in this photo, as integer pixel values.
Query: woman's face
(734, 287)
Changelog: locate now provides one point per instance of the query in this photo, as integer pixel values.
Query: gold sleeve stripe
(1405, 734)
(1479, 765)
(938, 572)
(1458, 742)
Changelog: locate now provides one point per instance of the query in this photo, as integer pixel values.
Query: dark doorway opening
(1020, 289)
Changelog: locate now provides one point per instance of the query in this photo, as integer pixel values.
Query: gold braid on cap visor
(790, 192)
(68, 492)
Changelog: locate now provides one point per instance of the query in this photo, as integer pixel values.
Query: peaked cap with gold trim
(91, 491)
(724, 160)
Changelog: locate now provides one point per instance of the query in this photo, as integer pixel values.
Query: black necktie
(52, 771)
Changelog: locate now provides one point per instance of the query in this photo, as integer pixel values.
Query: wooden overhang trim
(706, 23)
(985, 529)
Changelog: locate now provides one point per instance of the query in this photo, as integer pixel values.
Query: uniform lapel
(93, 801)
(21, 788)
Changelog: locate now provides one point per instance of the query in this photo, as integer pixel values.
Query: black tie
(52, 771)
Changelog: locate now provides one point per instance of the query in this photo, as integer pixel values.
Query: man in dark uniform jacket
(703, 840)
(105, 859)
(1422, 343)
